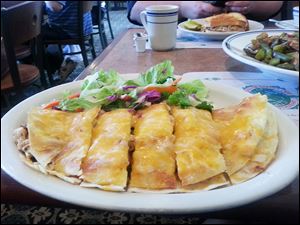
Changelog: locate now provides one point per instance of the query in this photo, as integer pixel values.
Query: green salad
(108, 90)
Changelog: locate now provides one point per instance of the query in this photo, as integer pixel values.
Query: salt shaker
(140, 42)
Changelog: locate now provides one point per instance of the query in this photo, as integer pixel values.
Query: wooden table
(121, 56)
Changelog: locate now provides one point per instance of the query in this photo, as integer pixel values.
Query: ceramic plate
(279, 174)
(287, 24)
(235, 44)
(253, 25)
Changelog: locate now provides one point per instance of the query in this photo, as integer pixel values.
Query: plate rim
(250, 61)
(147, 208)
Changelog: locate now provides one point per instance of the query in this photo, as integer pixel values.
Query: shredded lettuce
(115, 105)
(94, 91)
(109, 91)
(179, 98)
(205, 105)
(196, 87)
(74, 104)
(159, 74)
(100, 95)
(101, 79)
(190, 94)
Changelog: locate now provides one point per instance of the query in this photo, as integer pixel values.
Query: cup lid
(139, 36)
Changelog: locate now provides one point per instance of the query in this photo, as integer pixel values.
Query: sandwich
(227, 22)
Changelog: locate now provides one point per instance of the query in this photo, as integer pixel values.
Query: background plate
(234, 45)
(253, 25)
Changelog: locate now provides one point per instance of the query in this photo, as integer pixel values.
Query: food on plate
(264, 152)
(105, 165)
(279, 50)
(153, 160)
(242, 128)
(197, 146)
(150, 134)
(193, 25)
(60, 147)
(227, 22)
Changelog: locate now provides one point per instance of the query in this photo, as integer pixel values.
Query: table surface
(121, 56)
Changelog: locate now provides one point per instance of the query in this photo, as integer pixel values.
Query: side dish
(279, 50)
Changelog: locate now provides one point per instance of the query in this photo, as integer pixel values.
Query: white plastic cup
(160, 22)
(140, 42)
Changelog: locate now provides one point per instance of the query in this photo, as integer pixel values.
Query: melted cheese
(242, 128)
(264, 152)
(153, 161)
(107, 159)
(49, 133)
(68, 161)
(197, 147)
(155, 121)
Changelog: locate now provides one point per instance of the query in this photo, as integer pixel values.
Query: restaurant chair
(98, 24)
(84, 7)
(19, 24)
(106, 10)
(23, 50)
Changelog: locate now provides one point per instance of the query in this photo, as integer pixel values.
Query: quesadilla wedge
(264, 153)
(241, 128)
(105, 165)
(197, 147)
(153, 161)
(59, 140)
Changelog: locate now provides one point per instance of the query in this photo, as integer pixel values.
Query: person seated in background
(258, 10)
(62, 17)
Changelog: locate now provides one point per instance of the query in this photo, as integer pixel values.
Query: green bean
(282, 57)
(279, 48)
(250, 52)
(260, 55)
(287, 66)
(268, 50)
(274, 61)
(275, 42)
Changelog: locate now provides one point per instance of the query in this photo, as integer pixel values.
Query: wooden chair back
(20, 23)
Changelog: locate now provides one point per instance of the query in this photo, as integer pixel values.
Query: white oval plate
(279, 174)
(253, 25)
(234, 45)
(287, 24)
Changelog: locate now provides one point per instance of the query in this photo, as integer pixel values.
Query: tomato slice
(79, 110)
(51, 105)
(168, 89)
(74, 96)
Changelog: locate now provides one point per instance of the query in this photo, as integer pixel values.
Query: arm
(259, 10)
(54, 6)
(187, 9)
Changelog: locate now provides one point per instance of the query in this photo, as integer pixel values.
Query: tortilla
(197, 147)
(241, 129)
(264, 153)
(105, 165)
